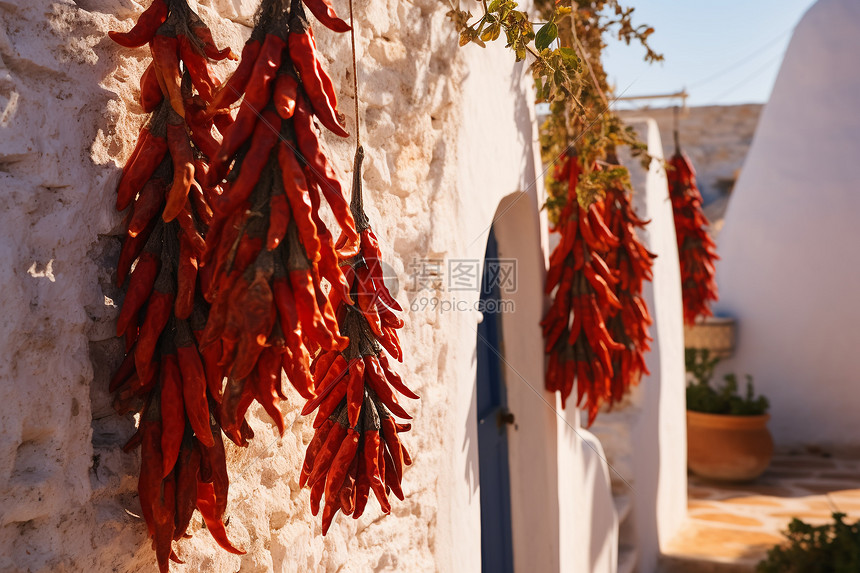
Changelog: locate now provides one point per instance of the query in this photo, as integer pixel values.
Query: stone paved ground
(730, 527)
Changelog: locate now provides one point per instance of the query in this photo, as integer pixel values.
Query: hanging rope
(675, 128)
(356, 204)
(354, 77)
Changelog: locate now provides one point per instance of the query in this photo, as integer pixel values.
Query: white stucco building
(789, 246)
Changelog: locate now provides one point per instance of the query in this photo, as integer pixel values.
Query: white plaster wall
(660, 432)
(561, 503)
(552, 490)
(645, 436)
(789, 270)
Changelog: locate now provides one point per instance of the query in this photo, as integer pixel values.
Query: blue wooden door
(493, 421)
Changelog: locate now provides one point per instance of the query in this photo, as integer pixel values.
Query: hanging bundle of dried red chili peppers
(165, 375)
(261, 266)
(268, 249)
(696, 249)
(356, 447)
(631, 263)
(582, 344)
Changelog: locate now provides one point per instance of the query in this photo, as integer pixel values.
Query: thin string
(354, 77)
(675, 129)
(356, 204)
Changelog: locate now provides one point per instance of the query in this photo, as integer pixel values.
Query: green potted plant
(727, 435)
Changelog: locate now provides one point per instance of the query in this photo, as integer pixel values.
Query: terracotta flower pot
(728, 448)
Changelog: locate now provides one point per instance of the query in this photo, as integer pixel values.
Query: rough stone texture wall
(68, 119)
(717, 139)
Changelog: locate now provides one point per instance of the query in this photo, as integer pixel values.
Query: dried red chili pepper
(324, 12)
(158, 312)
(198, 68)
(140, 286)
(148, 204)
(204, 34)
(145, 28)
(193, 384)
(150, 91)
(207, 504)
(629, 325)
(264, 139)
(172, 411)
(183, 169)
(187, 471)
(150, 479)
(279, 216)
(267, 384)
(323, 173)
(234, 87)
(165, 55)
(136, 173)
(286, 92)
(304, 58)
(256, 95)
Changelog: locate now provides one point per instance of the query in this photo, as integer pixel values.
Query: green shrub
(831, 548)
(702, 397)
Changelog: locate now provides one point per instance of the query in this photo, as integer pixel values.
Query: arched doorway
(493, 421)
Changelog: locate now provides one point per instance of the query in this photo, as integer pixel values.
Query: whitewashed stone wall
(68, 119)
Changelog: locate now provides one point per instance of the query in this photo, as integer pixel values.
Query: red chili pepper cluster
(631, 263)
(356, 447)
(166, 375)
(268, 250)
(580, 345)
(256, 197)
(696, 249)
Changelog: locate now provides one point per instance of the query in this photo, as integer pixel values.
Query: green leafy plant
(725, 399)
(829, 548)
(565, 50)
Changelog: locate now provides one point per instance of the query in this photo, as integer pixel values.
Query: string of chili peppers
(632, 264)
(267, 249)
(696, 249)
(579, 345)
(356, 447)
(166, 375)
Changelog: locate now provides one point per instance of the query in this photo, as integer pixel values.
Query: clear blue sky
(723, 52)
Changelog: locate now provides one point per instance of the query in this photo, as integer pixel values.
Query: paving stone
(692, 505)
(753, 500)
(730, 526)
(723, 544)
(730, 519)
(809, 516)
